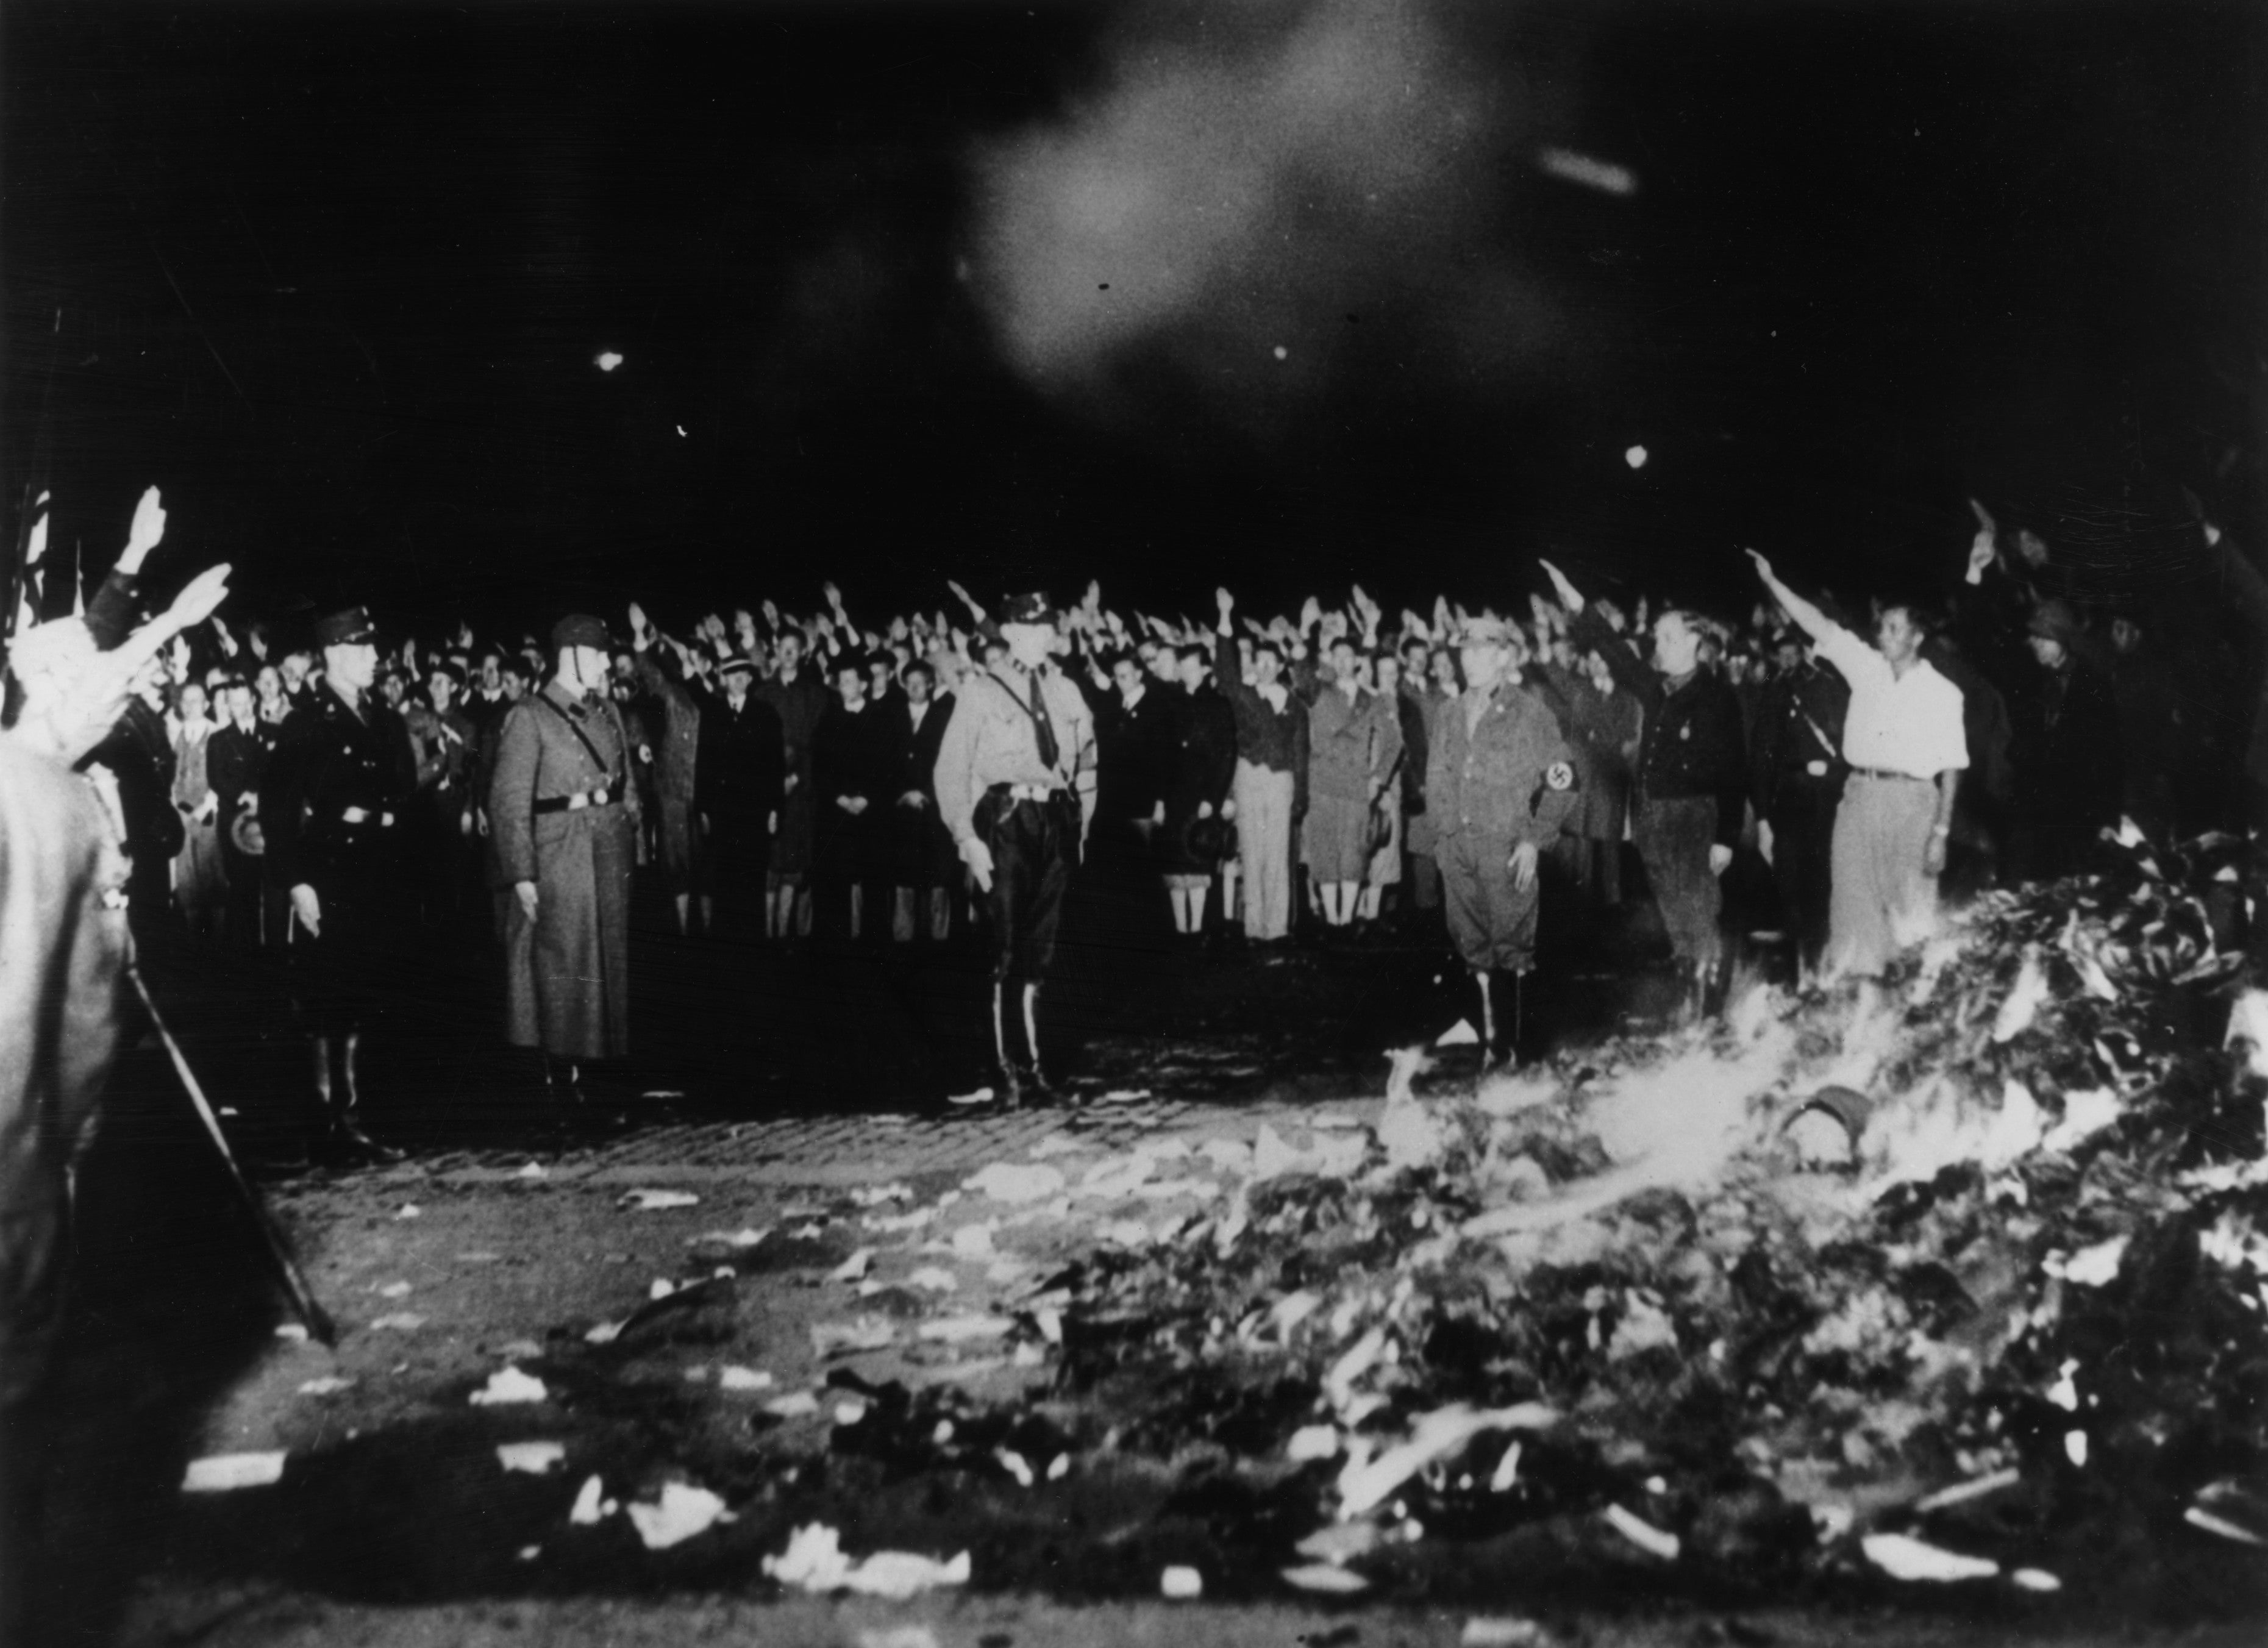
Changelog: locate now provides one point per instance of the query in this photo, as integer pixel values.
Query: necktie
(1042, 728)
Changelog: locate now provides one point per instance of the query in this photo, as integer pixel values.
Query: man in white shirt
(1904, 741)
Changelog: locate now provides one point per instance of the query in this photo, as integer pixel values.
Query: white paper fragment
(741, 1379)
(1017, 1182)
(1365, 1484)
(2036, 1580)
(2074, 1447)
(746, 1236)
(408, 1211)
(814, 1562)
(1507, 1471)
(1460, 1033)
(509, 1384)
(1059, 1468)
(402, 1321)
(1015, 1465)
(2025, 999)
(659, 1289)
(329, 1386)
(2198, 1517)
(589, 1503)
(220, 1472)
(1313, 1442)
(845, 1338)
(854, 1268)
(606, 1332)
(795, 1405)
(1642, 1534)
(658, 1201)
(535, 1170)
(2090, 1267)
(292, 1331)
(536, 1458)
(684, 1512)
(393, 1290)
(1180, 1585)
(1902, 1556)
(1323, 1576)
(2085, 1113)
(1961, 1492)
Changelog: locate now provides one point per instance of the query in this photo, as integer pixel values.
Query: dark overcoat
(567, 971)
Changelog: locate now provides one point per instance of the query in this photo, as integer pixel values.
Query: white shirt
(1909, 724)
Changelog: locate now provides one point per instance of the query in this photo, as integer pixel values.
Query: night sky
(999, 292)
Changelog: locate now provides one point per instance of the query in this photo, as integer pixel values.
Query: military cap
(351, 628)
(579, 629)
(1031, 607)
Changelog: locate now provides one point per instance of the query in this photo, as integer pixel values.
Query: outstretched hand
(199, 597)
(1763, 567)
(147, 531)
(1570, 596)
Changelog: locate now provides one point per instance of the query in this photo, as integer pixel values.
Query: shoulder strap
(596, 760)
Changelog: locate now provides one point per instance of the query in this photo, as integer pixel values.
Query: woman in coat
(1354, 748)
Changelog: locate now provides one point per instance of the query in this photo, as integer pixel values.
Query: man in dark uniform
(1015, 785)
(739, 780)
(334, 804)
(1798, 773)
(565, 814)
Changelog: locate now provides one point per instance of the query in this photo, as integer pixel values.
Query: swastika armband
(1559, 776)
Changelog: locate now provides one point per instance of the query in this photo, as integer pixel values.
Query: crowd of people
(1812, 775)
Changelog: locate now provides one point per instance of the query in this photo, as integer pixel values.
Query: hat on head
(1032, 607)
(351, 628)
(1487, 632)
(738, 661)
(579, 629)
(2055, 619)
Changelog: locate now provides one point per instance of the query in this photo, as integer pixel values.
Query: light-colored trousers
(1881, 900)
(1264, 846)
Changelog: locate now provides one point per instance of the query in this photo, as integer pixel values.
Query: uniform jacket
(328, 759)
(1691, 746)
(567, 972)
(1604, 730)
(1511, 779)
(1204, 755)
(991, 740)
(1798, 712)
(539, 758)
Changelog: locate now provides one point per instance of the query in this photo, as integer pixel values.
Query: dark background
(335, 278)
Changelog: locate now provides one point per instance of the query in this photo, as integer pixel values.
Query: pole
(318, 1320)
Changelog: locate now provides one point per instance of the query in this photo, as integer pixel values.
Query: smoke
(1262, 202)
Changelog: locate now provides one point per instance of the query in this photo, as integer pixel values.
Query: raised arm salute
(1903, 740)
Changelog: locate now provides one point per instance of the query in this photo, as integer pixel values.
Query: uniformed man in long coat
(1015, 785)
(333, 809)
(1499, 785)
(563, 814)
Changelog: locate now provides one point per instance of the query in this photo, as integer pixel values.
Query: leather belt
(1887, 775)
(582, 799)
(365, 816)
(1030, 792)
